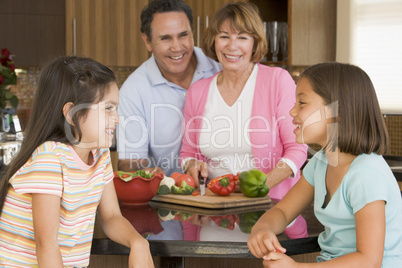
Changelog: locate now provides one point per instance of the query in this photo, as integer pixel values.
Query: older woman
(239, 118)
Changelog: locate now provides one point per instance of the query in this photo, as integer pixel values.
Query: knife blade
(202, 184)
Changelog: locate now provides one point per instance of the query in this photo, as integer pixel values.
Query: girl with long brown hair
(62, 175)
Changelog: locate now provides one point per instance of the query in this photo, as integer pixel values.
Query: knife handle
(201, 179)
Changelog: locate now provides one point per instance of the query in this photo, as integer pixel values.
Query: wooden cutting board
(213, 201)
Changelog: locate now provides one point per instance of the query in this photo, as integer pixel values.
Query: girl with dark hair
(356, 196)
(52, 189)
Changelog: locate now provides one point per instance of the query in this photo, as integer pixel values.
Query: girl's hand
(277, 259)
(262, 241)
(140, 255)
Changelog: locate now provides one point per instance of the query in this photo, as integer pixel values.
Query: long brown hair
(361, 126)
(66, 79)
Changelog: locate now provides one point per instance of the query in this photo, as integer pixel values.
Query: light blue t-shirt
(368, 179)
(151, 117)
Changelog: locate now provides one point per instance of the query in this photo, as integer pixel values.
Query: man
(152, 98)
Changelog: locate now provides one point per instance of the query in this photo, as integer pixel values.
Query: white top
(224, 138)
(227, 127)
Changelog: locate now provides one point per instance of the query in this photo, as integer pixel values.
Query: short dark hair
(244, 17)
(162, 6)
(361, 126)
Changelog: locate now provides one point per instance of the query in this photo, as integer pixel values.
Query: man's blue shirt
(150, 110)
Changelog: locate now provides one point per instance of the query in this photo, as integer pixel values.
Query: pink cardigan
(271, 128)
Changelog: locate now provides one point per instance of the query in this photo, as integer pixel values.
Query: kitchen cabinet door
(203, 12)
(312, 31)
(311, 28)
(106, 30)
(33, 31)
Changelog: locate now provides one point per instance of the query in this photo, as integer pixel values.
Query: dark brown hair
(349, 90)
(66, 79)
(243, 17)
(162, 6)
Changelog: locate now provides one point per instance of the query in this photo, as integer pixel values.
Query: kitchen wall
(28, 81)
(394, 125)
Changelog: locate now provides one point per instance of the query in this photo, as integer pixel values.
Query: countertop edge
(215, 249)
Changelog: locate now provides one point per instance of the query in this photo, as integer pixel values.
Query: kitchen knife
(202, 184)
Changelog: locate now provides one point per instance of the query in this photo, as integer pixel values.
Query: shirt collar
(203, 66)
(156, 76)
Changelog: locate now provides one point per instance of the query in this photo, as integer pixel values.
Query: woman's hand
(140, 255)
(278, 174)
(194, 168)
(277, 259)
(237, 183)
(200, 220)
(263, 241)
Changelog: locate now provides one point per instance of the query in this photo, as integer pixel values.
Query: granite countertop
(174, 231)
(163, 224)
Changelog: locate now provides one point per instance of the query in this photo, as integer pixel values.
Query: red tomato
(195, 193)
(175, 175)
(187, 178)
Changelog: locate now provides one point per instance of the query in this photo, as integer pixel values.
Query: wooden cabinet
(106, 30)
(33, 31)
(311, 26)
(312, 31)
(202, 13)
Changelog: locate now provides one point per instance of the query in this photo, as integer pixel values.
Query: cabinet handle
(74, 37)
(206, 22)
(198, 31)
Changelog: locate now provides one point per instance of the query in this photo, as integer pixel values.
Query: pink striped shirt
(55, 169)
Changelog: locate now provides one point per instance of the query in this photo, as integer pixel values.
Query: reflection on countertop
(184, 231)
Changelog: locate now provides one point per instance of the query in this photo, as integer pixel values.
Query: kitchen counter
(179, 233)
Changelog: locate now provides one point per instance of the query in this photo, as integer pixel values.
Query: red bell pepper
(225, 221)
(223, 185)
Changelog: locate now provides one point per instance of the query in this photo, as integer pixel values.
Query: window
(369, 34)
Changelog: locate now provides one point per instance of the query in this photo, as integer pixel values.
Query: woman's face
(233, 49)
(311, 116)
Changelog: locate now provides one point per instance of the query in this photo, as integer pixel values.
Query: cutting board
(213, 201)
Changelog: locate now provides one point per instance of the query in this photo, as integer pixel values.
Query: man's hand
(154, 170)
(132, 165)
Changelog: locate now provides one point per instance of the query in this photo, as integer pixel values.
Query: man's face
(172, 43)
